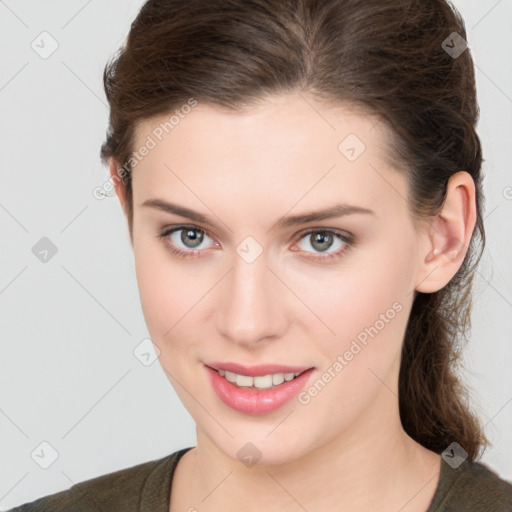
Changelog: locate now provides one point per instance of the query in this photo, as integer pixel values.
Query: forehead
(279, 120)
(289, 147)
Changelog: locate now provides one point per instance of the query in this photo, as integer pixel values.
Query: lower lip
(254, 401)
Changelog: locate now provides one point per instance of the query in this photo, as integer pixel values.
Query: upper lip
(257, 370)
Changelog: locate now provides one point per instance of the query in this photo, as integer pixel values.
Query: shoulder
(120, 490)
(471, 487)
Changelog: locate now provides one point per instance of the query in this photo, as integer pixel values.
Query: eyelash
(346, 238)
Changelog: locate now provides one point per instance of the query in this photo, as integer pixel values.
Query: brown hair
(385, 56)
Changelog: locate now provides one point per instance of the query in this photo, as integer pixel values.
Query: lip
(257, 370)
(257, 401)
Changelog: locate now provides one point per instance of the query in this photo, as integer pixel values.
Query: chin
(257, 451)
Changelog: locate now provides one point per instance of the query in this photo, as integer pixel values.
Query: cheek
(166, 293)
(153, 290)
(173, 297)
(368, 311)
(363, 306)
(354, 295)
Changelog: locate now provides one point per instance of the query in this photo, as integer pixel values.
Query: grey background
(70, 325)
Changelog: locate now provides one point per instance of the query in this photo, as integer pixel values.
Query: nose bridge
(248, 309)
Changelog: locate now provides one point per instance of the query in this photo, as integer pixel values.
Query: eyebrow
(337, 210)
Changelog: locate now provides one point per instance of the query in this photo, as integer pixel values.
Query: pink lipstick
(247, 389)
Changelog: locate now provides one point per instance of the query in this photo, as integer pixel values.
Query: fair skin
(346, 448)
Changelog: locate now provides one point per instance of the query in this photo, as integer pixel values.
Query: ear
(117, 181)
(448, 235)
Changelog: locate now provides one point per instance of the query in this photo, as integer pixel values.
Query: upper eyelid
(177, 227)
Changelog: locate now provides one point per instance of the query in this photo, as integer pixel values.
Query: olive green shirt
(471, 487)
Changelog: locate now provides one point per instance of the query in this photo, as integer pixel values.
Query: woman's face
(251, 286)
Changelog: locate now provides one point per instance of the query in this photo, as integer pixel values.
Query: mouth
(259, 382)
(258, 389)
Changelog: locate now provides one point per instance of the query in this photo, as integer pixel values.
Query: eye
(323, 239)
(186, 241)
(189, 237)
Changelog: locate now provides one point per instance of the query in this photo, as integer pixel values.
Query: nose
(251, 303)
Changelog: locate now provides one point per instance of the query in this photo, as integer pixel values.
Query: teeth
(259, 382)
(244, 381)
(277, 378)
(230, 376)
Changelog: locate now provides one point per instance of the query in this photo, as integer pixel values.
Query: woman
(303, 191)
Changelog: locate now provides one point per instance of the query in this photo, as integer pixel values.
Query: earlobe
(449, 235)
